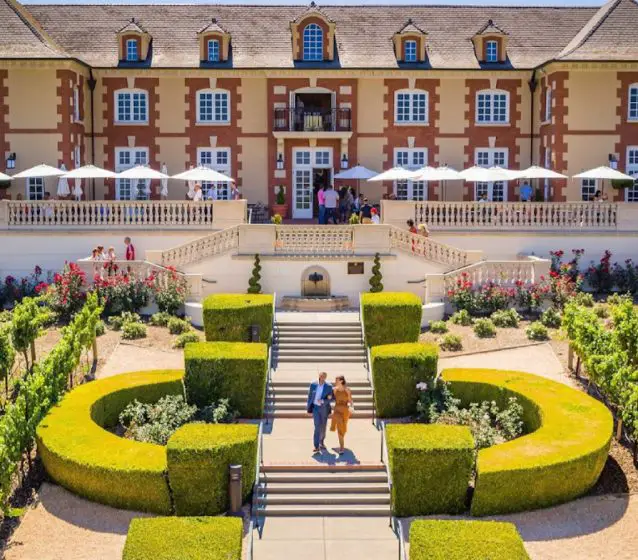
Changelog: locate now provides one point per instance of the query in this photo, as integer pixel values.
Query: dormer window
(491, 51)
(490, 44)
(410, 50)
(133, 43)
(409, 43)
(213, 50)
(214, 43)
(132, 52)
(312, 42)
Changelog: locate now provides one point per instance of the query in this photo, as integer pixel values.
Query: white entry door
(496, 191)
(303, 194)
(305, 161)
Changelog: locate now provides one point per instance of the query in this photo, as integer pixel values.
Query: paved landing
(309, 371)
(317, 316)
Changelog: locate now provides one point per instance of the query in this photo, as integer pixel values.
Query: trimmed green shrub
(178, 326)
(438, 327)
(376, 284)
(583, 298)
(396, 369)
(186, 538)
(435, 539)
(228, 317)
(199, 457)
(100, 328)
(82, 456)
(160, 319)
(391, 317)
(451, 342)
(254, 287)
(537, 331)
(506, 318)
(233, 370)
(560, 458)
(602, 311)
(185, 338)
(431, 466)
(551, 318)
(484, 328)
(133, 331)
(462, 318)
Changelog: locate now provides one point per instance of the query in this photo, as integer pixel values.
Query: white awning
(478, 174)
(41, 170)
(141, 172)
(394, 174)
(203, 174)
(357, 172)
(90, 172)
(536, 172)
(443, 173)
(603, 172)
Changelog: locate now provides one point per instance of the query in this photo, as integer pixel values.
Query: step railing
(368, 361)
(254, 505)
(270, 353)
(427, 248)
(314, 240)
(385, 459)
(216, 243)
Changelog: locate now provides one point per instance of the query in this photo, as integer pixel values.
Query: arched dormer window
(491, 50)
(312, 42)
(213, 106)
(133, 43)
(131, 106)
(632, 113)
(214, 43)
(492, 107)
(411, 107)
(213, 50)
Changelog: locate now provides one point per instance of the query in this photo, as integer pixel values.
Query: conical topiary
(254, 287)
(375, 280)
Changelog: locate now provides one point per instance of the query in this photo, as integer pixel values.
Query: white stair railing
(215, 243)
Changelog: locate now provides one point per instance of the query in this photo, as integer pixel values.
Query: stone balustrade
(215, 243)
(314, 240)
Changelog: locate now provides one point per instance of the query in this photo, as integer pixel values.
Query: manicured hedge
(391, 317)
(184, 538)
(228, 317)
(562, 456)
(233, 370)
(199, 456)
(396, 369)
(465, 540)
(431, 465)
(82, 456)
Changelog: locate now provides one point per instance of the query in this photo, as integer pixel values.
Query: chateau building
(289, 95)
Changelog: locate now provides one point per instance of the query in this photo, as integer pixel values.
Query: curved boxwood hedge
(559, 460)
(396, 369)
(465, 540)
(233, 370)
(199, 457)
(186, 538)
(391, 317)
(228, 317)
(431, 466)
(82, 456)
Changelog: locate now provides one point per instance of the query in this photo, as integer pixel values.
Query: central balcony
(300, 119)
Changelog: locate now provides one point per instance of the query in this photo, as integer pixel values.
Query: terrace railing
(314, 240)
(215, 243)
(428, 248)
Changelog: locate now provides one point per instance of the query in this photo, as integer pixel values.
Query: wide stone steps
(332, 510)
(321, 498)
(302, 397)
(327, 488)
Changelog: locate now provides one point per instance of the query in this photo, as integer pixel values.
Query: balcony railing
(296, 119)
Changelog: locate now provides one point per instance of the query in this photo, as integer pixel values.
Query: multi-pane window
(132, 51)
(588, 189)
(213, 50)
(410, 51)
(492, 107)
(413, 159)
(633, 102)
(213, 106)
(302, 157)
(411, 107)
(322, 157)
(77, 156)
(219, 160)
(75, 104)
(548, 104)
(312, 42)
(35, 188)
(494, 190)
(632, 169)
(129, 189)
(491, 51)
(132, 106)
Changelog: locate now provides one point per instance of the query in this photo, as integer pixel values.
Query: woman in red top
(413, 231)
(130, 249)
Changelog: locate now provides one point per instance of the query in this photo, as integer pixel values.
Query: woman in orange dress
(343, 408)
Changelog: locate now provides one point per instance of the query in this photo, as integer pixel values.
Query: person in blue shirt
(526, 192)
(319, 396)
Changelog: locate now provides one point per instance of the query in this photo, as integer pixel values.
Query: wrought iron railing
(297, 119)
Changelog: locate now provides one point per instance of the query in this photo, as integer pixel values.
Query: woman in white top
(197, 194)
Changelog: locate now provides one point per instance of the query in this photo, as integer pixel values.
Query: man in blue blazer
(319, 396)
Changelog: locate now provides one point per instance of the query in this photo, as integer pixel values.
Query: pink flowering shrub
(66, 294)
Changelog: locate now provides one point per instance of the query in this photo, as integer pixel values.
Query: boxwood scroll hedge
(391, 317)
(396, 369)
(186, 538)
(560, 458)
(233, 370)
(199, 457)
(465, 540)
(431, 466)
(229, 317)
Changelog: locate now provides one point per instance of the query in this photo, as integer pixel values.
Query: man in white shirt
(212, 192)
(331, 200)
(319, 396)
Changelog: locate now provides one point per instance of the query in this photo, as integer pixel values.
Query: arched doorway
(315, 282)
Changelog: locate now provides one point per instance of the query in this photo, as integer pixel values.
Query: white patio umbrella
(191, 187)
(536, 172)
(602, 173)
(394, 174)
(356, 173)
(442, 174)
(63, 184)
(90, 172)
(141, 172)
(202, 173)
(164, 182)
(478, 174)
(41, 170)
(77, 189)
(4, 177)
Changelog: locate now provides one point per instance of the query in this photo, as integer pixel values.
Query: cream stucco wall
(592, 100)
(98, 106)
(253, 157)
(452, 100)
(254, 105)
(172, 105)
(585, 152)
(370, 106)
(32, 98)
(33, 149)
(172, 152)
(370, 154)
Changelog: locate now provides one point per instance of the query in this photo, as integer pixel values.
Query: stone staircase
(323, 490)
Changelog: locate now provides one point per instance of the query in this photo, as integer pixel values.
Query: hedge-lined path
(130, 357)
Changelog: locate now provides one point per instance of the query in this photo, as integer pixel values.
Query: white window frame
(413, 55)
(216, 50)
(304, 160)
(213, 116)
(632, 103)
(548, 104)
(134, 160)
(492, 160)
(132, 55)
(631, 194)
(491, 121)
(408, 98)
(210, 158)
(312, 43)
(131, 106)
(548, 165)
(77, 156)
(76, 104)
(491, 54)
(35, 188)
(416, 159)
(588, 188)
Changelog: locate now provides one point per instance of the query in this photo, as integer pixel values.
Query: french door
(129, 189)
(496, 191)
(412, 159)
(305, 160)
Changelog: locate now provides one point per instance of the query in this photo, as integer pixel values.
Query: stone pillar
(4, 214)
(229, 213)
(434, 288)
(397, 212)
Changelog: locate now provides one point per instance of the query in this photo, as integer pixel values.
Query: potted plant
(280, 206)
(622, 183)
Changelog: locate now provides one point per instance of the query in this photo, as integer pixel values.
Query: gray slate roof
(261, 38)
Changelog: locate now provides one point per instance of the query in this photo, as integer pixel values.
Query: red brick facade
(627, 130)
(5, 148)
